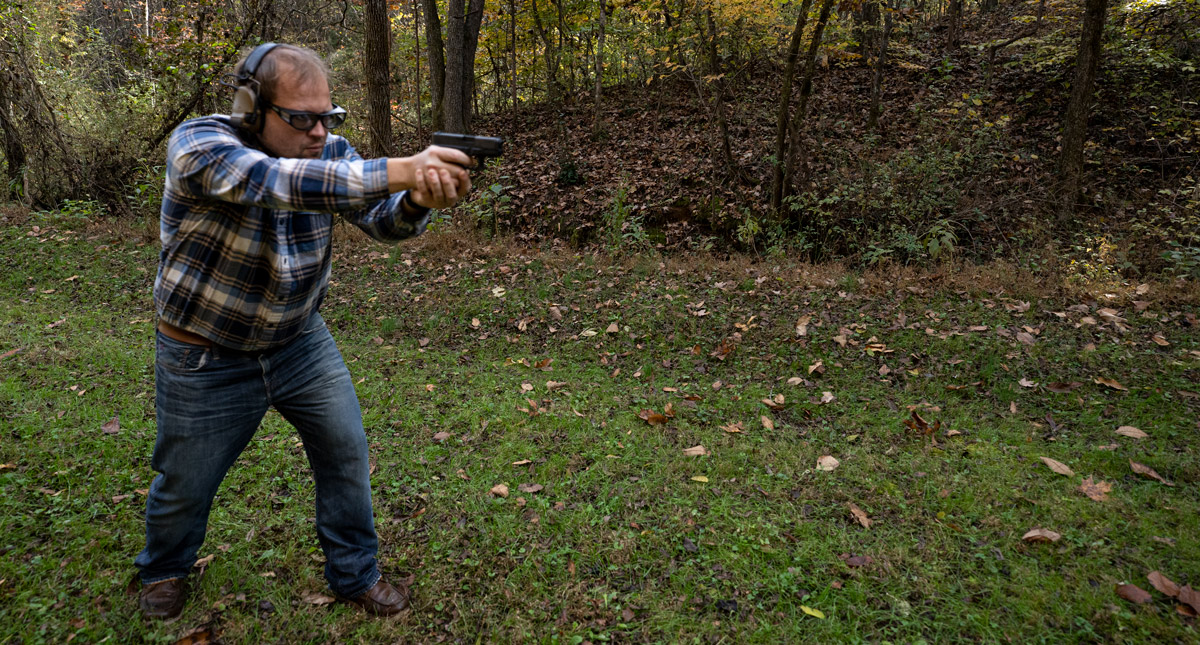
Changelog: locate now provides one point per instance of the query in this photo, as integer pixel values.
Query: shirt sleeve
(390, 220)
(206, 158)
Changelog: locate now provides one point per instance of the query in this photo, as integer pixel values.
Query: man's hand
(435, 177)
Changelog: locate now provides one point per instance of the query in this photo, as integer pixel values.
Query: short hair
(303, 62)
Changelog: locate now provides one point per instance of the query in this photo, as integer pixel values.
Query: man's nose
(319, 130)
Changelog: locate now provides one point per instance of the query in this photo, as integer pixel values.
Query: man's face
(283, 140)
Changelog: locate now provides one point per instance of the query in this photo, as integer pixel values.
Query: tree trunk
(867, 28)
(810, 71)
(462, 39)
(1075, 122)
(416, 9)
(377, 54)
(877, 82)
(599, 67)
(512, 49)
(14, 150)
(954, 35)
(785, 103)
(454, 104)
(437, 62)
(714, 70)
(473, 22)
(553, 86)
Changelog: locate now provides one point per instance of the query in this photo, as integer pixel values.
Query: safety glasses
(305, 121)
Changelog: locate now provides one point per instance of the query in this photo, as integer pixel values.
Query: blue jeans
(210, 402)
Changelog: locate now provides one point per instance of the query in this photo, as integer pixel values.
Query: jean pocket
(179, 356)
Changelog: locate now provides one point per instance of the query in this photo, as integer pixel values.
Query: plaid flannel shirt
(246, 237)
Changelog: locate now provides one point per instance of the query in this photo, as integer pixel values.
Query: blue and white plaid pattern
(246, 237)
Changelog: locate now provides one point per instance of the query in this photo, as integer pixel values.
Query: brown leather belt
(182, 335)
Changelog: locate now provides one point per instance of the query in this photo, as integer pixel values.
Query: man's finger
(449, 186)
(420, 181)
(450, 155)
(436, 190)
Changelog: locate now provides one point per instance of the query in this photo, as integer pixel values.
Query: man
(246, 228)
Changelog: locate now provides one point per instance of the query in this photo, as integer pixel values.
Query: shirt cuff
(410, 211)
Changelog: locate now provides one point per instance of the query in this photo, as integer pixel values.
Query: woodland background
(1061, 133)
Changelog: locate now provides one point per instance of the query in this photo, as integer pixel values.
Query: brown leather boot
(162, 599)
(383, 599)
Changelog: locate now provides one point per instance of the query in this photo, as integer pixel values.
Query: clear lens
(332, 121)
(303, 121)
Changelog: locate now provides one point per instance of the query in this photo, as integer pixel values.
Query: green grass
(622, 544)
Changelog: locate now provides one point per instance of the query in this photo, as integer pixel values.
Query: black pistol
(473, 146)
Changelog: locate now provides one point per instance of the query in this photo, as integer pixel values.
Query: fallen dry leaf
(1063, 388)
(827, 463)
(859, 515)
(317, 598)
(723, 350)
(700, 478)
(441, 436)
(768, 423)
(827, 397)
(1096, 490)
(802, 325)
(113, 426)
(1041, 535)
(733, 428)
(530, 488)
(499, 490)
(612, 329)
(818, 367)
(1058, 466)
(1027, 383)
(1111, 383)
(859, 560)
(795, 380)
(1159, 340)
(1163, 584)
(1147, 472)
(1190, 596)
(522, 462)
(200, 635)
(1133, 593)
(695, 451)
(653, 418)
(1132, 432)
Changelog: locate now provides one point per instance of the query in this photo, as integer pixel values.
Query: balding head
(302, 65)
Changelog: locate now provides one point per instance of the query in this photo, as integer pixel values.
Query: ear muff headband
(247, 111)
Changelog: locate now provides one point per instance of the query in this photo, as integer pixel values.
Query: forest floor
(693, 450)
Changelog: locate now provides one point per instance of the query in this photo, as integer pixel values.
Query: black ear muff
(248, 111)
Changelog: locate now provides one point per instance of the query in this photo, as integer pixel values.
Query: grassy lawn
(485, 365)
